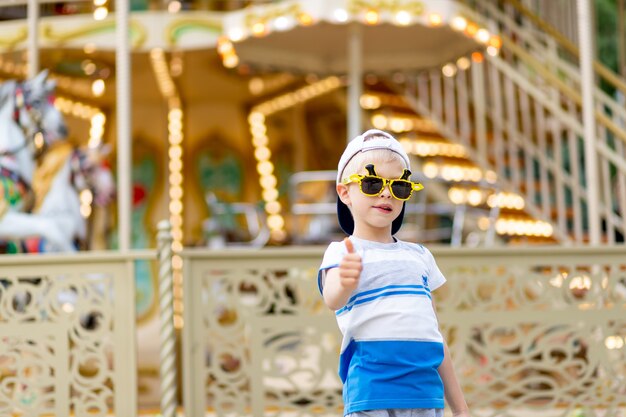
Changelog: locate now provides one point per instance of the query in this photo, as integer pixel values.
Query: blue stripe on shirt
(387, 291)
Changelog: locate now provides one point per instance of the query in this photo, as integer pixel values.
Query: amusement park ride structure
(230, 123)
(186, 107)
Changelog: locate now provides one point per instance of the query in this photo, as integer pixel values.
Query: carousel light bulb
(371, 17)
(482, 35)
(98, 118)
(99, 2)
(98, 87)
(273, 207)
(260, 140)
(262, 153)
(268, 181)
(270, 194)
(174, 6)
(459, 23)
(176, 207)
(477, 57)
(431, 169)
(85, 211)
(265, 168)
(463, 63)
(256, 118)
(379, 121)
(449, 70)
(275, 222)
(86, 197)
(456, 195)
(176, 193)
(176, 178)
(435, 19)
(100, 13)
(471, 29)
(496, 42)
(305, 19)
(475, 197)
(403, 18)
(39, 140)
(259, 29)
(175, 152)
(236, 34)
(484, 223)
(283, 23)
(492, 51)
(340, 15)
(231, 61)
(225, 47)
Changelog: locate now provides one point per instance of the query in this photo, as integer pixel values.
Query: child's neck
(374, 237)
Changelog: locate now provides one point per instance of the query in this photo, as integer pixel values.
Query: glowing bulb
(98, 87)
(340, 15)
(100, 13)
(371, 17)
(403, 18)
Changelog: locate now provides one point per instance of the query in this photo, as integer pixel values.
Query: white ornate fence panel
(531, 330)
(67, 335)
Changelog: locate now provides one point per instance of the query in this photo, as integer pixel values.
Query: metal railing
(530, 330)
(528, 131)
(67, 334)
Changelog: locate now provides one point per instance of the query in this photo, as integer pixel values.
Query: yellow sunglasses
(372, 185)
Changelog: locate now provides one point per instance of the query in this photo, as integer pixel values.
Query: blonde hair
(374, 156)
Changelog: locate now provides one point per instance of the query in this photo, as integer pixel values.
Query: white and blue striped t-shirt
(392, 347)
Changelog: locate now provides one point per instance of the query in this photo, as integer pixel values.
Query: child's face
(373, 215)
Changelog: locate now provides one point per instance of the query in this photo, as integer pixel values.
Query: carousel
(229, 123)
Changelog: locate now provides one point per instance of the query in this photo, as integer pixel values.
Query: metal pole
(33, 35)
(621, 42)
(355, 79)
(589, 121)
(123, 114)
(166, 310)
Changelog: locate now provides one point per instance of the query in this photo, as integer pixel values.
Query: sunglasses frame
(358, 178)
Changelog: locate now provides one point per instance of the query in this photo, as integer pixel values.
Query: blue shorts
(400, 412)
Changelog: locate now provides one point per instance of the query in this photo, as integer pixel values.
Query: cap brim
(346, 222)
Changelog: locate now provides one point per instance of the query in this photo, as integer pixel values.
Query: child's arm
(452, 388)
(342, 281)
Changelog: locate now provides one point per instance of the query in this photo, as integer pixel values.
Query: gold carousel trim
(176, 28)
(10, 42)
(138, 31)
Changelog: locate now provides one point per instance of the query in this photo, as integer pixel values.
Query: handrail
(537, 42)
(569, 46)
(560, 85)
(87, 256)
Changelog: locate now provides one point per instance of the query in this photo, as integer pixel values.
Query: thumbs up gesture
(350, 268)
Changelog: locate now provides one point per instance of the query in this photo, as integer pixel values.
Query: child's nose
(386, 191)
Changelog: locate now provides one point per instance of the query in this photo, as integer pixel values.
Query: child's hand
(350, 267)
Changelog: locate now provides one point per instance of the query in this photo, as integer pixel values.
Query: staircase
(509, 121)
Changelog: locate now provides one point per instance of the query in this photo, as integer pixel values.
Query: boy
(394, 361)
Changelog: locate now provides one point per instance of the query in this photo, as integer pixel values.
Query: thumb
(349, 245)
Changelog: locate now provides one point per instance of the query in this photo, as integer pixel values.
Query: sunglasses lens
(371, 185)
(401, 189)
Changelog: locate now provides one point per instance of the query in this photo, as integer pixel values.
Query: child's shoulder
(417, 247)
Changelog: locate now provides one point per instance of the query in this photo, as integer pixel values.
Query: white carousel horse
(64, 173)
(28, 122)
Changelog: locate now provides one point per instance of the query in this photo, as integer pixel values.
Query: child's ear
(342, 192)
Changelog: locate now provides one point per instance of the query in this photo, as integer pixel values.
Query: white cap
(362, 144)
